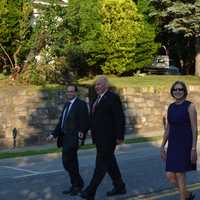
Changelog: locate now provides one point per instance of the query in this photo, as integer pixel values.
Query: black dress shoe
(116, 191)
(68, 191)
(73, 191)
(85, 195)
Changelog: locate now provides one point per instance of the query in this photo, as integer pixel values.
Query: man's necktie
(95, 104)
(65, 114)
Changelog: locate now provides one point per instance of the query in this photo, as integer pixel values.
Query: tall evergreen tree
(180, 20)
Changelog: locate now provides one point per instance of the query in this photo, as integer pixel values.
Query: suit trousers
(105, 163)
(70, 163)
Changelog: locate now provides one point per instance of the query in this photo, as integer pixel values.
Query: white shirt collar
(103, 94)
(72, 100)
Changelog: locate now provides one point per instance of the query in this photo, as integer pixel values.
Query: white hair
(103, 79)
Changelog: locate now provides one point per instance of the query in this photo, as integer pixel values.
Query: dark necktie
(65, 115)
(95, 104)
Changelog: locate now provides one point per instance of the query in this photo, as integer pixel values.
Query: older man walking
(107, 128)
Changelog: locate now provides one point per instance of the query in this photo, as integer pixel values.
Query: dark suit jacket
(77, 120)
(108, 120)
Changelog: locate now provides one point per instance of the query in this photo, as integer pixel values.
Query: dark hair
(184, 88)
(73, 85)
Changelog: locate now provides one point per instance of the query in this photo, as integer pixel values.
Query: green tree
(47, 60)
(180, 20)
(121, 26)
(85, 48)
(103, 35)
(146, 47)
(15, 31)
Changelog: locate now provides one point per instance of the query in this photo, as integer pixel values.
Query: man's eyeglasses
(178, 89)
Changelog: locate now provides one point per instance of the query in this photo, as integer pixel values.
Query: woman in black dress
(181, 135)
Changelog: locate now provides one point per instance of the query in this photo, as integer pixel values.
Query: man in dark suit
(72, 126)
(107, 128)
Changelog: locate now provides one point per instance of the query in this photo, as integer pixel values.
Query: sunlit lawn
(159, 81)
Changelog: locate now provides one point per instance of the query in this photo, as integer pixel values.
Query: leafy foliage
(121, 25)
(81, 38)
(15, 31)
(105, 34)
(179, 19)
(48, 61)
(146, 47)
(84, 45)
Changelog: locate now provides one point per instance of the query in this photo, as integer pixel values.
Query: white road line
(38, 173)
(20, 169)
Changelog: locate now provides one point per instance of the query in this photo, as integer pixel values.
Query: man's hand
(119, 141)
(50, 137)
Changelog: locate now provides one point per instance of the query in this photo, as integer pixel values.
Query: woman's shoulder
(191, 106)
(188, 104)
(171, 104)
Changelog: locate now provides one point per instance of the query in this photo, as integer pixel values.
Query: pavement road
(43, 177)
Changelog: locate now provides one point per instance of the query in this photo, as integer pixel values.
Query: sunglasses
(178, 89)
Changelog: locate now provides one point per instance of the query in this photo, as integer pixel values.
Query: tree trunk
(10, 60)
(29, 57)
(197, 57)
(16, 54)
(16, 69)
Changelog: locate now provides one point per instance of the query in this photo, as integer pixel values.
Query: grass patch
(157, 81)
(16, 154)
(12, 154)
(163, 81)
(3, 77)
(27, 153)
(142, 139)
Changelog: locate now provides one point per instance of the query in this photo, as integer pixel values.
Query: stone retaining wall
(146, 107)
(34, 113)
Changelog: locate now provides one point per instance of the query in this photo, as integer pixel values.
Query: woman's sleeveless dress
(180, 139)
